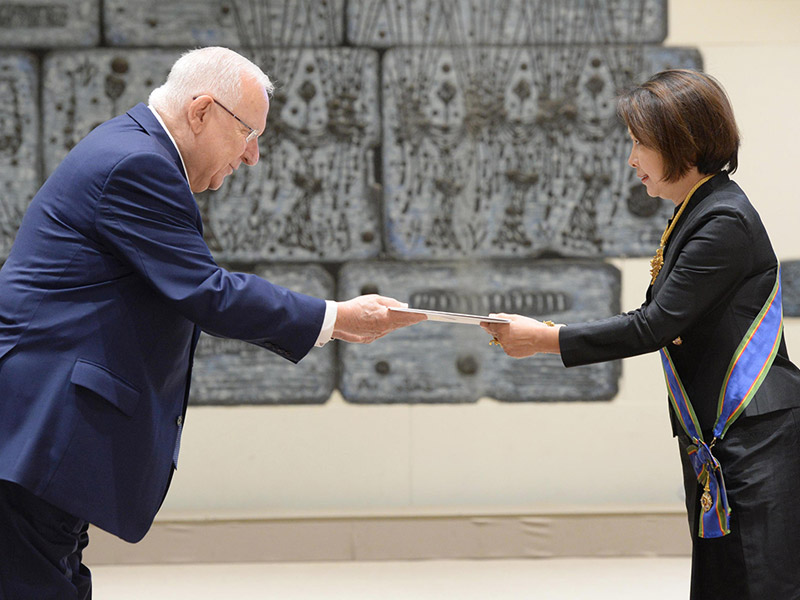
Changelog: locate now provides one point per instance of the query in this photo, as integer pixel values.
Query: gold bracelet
(549, 323)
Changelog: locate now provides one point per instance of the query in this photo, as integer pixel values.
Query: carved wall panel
(500, 152)
(234, 372)
(384, 23)
(790, 287)
(83, 89)
(19, 141)
(313, 194)
(484, 136)
(445, 362)
(49, 23)
(237, 23)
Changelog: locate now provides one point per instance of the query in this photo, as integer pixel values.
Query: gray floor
(545, 579)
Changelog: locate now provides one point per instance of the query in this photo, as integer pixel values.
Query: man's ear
(198, 112)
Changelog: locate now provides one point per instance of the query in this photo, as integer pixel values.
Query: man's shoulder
(118, 139)
(110, 134)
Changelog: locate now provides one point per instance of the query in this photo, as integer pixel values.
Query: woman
(713, 311)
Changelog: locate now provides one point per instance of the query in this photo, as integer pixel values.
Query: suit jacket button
(179, 420)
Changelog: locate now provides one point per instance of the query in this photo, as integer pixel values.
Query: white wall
(343, 458)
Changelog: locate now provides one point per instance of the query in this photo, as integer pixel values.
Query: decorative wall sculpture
(49, 23)
(19, 141)
(386, 23)
(445, 362)
(234, 372)
(457, 154)
(790, 287)
(240, 23)
(501, 152)
(312, 195)
(85, 88)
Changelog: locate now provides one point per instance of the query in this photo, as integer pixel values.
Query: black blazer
(719, 268)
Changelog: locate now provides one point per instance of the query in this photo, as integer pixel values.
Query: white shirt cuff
(326, 333)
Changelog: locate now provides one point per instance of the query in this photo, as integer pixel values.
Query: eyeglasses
(250, 136)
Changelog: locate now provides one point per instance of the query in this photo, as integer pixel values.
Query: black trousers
(760, 558)
(40, 549)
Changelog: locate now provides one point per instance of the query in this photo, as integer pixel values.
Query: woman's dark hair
(686, 116)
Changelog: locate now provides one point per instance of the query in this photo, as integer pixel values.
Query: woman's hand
(523, 336)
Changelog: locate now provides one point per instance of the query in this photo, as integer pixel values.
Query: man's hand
(366, 318)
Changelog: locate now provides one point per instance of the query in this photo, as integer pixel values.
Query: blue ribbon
(748, 367)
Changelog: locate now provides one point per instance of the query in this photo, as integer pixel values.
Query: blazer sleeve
(708, 269)
(147, 216)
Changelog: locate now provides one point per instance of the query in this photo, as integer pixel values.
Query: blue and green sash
(748, 367)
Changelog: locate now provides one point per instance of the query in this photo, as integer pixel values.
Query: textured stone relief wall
(84, 88)
(239, 23)
(499, 152)
(234, 372)
(445, 362)
(790, 287)
(385, 23)
(49, 23)
(313, 194)
(19, 141)
(434, 150)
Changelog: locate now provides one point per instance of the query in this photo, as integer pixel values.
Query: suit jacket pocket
(106, 384)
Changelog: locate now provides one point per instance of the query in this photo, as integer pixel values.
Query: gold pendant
(677, 341)
(656, 263)
(705, 501)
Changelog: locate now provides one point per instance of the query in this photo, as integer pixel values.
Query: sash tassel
(715, 519)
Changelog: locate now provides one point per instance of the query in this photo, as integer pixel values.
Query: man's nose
(251, 153)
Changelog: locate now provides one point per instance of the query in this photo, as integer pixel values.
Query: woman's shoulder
(728, 198)
(728, 211)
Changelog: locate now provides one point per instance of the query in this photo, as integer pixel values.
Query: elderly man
(104, 295)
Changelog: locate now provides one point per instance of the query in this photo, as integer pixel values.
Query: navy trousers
(40, 549)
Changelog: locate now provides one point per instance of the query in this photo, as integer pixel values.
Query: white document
(450, 317)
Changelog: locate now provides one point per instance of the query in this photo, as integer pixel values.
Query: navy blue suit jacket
(102, 300)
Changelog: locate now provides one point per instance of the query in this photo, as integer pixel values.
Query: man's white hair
(213, 70)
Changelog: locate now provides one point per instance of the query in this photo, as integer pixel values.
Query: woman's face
(649, 168)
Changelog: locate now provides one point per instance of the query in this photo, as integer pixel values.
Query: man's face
(221, 145)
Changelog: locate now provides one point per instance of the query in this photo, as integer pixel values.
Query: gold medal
(705, 499)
